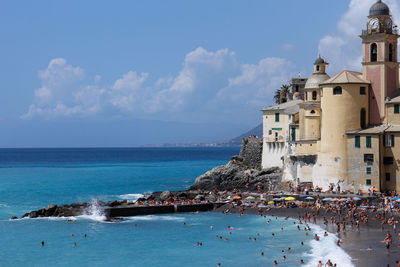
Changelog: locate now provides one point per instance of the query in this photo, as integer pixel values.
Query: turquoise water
(31, 179)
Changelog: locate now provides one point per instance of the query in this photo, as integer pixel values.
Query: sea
(31, 179)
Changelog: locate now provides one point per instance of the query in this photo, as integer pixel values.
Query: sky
(132, 73)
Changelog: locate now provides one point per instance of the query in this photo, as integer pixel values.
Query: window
(317, 67)
(363, 118)
(312, 112)
(270, 132)
(337, 90)
(314, 95)
(396, 109)
(368, 182)
(305, 96)
(387, 177)
(369, 159)
(389, 140)
(276, 117)
(297, 88)
(368, 141)
(374, 52)
(390, 52)
(293, 134)
(276, 136)
(388, 160)
(363, 90)
(368, 170)
(357, 141)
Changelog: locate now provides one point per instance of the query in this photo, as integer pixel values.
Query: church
(342, 130)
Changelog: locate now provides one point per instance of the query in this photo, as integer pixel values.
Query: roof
(393, 128)
(346, 77)
(371, 130)
(319, 60)
(395, 98)
(291, 107)
(379, 8)
(315, 80)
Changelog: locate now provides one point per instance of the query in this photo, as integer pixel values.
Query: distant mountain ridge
(256, 131)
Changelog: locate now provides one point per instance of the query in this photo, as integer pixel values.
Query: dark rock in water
(182, 195)
(51, 207)
(113, 203)
(14, 217)
(164, 195)
(236, 175)
(79, 204)
(113, 219)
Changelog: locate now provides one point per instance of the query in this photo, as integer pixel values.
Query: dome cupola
(379, 8)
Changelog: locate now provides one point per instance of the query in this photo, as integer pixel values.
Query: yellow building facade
(347, 130)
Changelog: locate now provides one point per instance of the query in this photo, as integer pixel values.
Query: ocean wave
(133, 196)
(155, 218)
(326, 249)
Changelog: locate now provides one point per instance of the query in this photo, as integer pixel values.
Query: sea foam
(326, 249)
(133, 196)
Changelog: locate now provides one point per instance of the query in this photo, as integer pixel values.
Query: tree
(277, 96)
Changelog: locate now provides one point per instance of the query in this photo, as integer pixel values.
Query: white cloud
(342, 49)
(210, 85)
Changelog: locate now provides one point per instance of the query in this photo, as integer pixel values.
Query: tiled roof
(346, 76)
(291, 107)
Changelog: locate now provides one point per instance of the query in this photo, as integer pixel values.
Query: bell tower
(380, 65)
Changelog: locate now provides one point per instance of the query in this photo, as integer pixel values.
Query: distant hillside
(237, 141)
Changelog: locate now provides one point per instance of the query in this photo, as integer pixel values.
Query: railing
(394, 30)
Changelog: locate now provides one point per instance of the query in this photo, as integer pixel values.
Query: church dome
(319, 60)
(379, 8)
(315, 80)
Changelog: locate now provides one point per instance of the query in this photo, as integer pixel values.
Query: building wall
(340, 113)
(357, 168)
(392, 169)
(391, 117)
(274, 148)
(374, 73)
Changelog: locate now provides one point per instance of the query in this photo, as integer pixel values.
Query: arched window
(363, 117)
(317, 67)
(314, 95)
(337, 90)
(312, 112)
(390, 52)
(374, 52)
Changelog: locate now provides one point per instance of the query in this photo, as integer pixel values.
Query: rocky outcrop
(251, 152)
(236, 174)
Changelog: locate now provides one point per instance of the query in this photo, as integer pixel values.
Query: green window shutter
(368, 182)
(276, 117)
(396, 109)
(368, 170)
(357, 141)
(368, 141)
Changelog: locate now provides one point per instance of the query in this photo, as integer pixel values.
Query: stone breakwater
(242, 172)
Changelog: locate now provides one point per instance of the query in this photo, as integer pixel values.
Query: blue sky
(129, 73)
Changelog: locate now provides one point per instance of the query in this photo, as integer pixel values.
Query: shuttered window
(357, 141)
(368, 141)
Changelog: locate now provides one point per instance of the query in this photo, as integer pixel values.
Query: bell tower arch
(380, 64)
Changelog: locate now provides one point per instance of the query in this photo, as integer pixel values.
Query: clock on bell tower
(380, 65)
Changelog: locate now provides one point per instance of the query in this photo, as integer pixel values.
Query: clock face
(374, 24)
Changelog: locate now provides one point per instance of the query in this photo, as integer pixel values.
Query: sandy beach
(354, 242)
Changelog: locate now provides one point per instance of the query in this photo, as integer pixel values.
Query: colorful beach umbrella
(250, 198)
(237, 197)
(271, 202)
(394, 198)
(327, 199)
(356, 198)
(343, 199)
(290, 198)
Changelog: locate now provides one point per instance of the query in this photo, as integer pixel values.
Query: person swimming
(316, 237)
(42, 243)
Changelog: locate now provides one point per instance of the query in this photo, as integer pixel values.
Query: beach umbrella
(349, 199)
(335, 199)
(250, 198)
(271, 202)
(327, 199)
(356, 198)
(394, 198)
(229, 197)
(237, 197)
(290, 198)
(398, 200)
(343, 199)
(304, 196)
(375, 189)
(309, 198)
